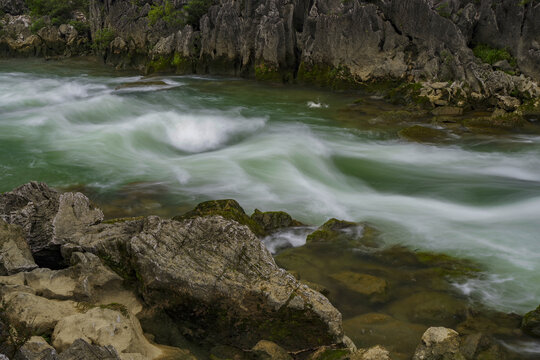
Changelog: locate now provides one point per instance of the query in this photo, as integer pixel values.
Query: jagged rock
(48, 218)
(508, 103)
(531, 322)
(87, 280)
(218, 271)
(36, 348)
(81, 350)
(271, 221)
(267, 350)
(439, 343)
(104, 327)
(15, 254)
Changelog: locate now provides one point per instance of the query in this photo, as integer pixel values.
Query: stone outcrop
(15, 255)
(48, 218)
(208, 273)
(104, 327)
(531, 322)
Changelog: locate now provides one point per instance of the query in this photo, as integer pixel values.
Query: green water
(161, 149)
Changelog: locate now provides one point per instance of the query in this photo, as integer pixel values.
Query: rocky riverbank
(203, 285)
(431, 53)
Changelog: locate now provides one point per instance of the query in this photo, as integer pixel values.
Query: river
(164, 147)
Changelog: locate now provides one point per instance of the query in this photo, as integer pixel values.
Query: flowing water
(162, 148)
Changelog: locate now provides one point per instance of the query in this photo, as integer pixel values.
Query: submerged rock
(15, 254)
(267, 350)
(340, 231)
(439, 343)
(422, 134)
(373, 288)
(531, 322)
(271, 221)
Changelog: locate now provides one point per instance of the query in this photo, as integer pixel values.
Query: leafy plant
(167, 12)
(37, 25)
(190, 14)
(103, 38)
(80, 26)
(491, 55)
(59, 11)
(444, 10)
(195, 9)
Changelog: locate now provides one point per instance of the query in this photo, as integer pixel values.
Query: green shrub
(444, 10)
(195, 9)
(490, 55)
(190, 14)
(81, 27)
(59, 10)
(167, 12)
(103, 38)
(37, 25)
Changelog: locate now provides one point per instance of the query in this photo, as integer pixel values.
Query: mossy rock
(354, 234)
(326, 353)
(422, 134)
(531, 323)
(375, 289)
(229, 209)
(271, 221)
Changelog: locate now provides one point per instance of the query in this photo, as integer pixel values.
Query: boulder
(267, 350)
(229, 209)
(271, 221)
(373, 353)
(531, 322)
(439, 343)
(104, 327)
(15, 254)
(216, 271)
(36, 348)
(422, 134)
(447, 111)
(340, 231)
(82, 350)
(37, 313)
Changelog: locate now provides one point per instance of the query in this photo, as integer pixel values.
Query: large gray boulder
(15, 255)
(81, 350)
(217, 272)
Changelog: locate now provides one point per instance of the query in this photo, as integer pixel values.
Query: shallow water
(161, 149)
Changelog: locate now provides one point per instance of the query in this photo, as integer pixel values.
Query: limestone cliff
(327, 42)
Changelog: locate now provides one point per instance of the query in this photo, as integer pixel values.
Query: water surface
(162, 149)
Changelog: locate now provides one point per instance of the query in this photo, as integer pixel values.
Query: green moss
(229, 209)
(334, 354)
(491, 55)
(327, 76)
(161, 64)
(103, 38)
(37, 25)
(267, 72)
(506, 122)
(444, 10)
